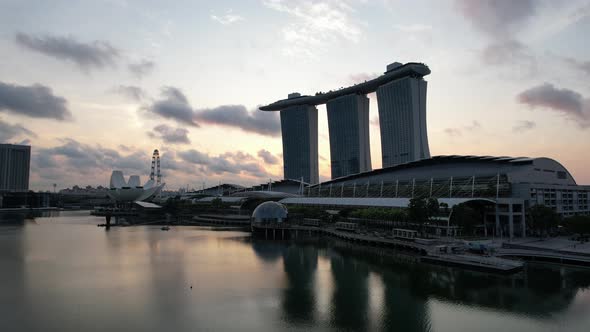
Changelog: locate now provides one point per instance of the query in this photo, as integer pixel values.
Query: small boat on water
(165, 228)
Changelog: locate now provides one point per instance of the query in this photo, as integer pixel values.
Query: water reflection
(405, 308)
(13, 288)
(63, 273)
(351, 294)
(268, 251)
(298, 300)
(20, 217)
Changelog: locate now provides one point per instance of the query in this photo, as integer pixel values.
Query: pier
(426, 253)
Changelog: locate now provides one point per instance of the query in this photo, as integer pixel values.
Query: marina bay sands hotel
(401, 98)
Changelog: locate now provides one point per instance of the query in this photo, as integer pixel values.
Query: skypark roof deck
(409, 69)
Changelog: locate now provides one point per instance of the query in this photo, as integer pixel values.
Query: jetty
(429, 251)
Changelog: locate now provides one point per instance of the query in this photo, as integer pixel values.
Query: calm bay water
(63, 273)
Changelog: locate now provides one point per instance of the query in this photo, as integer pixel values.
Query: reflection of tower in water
(299, 302)
(350, 300)
(404, 309)
(14, 287)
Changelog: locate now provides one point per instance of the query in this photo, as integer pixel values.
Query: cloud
(497, 18)
(583, 66)
(362, 77)
(237, 163)
(195, 157)
(268, 157)
(130, 91)
(501, 21)
(9, 131)
(522, 126)
(227, 19)
(414, 32)
(36, 101)
(170, 135)
(74, 163)
(509, 52)
(97, 54)
(174, 106)
(141, 68)
(263, 123)
(566, 102)
(455, 132)
(171, 164)
(473, 126)
(71, 162)
(73, 158)
(315, 24)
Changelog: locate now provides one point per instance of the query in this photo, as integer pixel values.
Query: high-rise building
(14, 167)
(348, 123)
(401, 94)
(299, 127)
(402, 120)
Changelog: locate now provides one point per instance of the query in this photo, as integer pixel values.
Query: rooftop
(393, 73)
(437, 160)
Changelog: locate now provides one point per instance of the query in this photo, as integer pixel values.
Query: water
(62, 273)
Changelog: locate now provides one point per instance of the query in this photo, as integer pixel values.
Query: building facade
(299, 128)
(402, 121)
(15, 165)
(508, 186)
(348, 124)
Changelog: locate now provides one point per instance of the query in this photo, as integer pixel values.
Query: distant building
(299, 127)
(402, 120)
(15, 163)
(348, 123)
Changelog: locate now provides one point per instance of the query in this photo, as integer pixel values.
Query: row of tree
(540, 219)
(543, 220)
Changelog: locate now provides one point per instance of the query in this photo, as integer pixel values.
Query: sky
(95, 86)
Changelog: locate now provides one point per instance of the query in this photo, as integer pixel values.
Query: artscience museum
(132, 190)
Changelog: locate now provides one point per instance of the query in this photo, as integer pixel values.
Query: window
(561, 175)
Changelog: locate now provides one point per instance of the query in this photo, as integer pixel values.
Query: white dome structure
(269, 212)
(132, 190)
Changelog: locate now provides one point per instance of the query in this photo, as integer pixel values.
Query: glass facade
(299, 127)
(348, 123)
(402, 121)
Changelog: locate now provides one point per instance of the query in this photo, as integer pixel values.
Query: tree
(444, 207)
(418, 211)
(542, 218)
(217, 203)
(432, 207)
(578, 224)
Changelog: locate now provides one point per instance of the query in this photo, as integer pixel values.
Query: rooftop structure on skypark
(394, 71)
